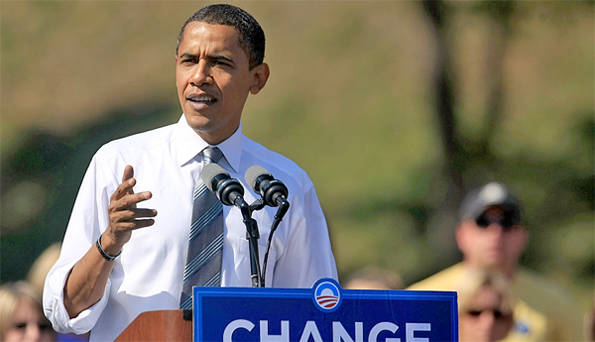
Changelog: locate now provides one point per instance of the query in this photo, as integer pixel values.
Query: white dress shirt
(148, 274)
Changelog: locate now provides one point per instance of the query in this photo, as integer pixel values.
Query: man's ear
(260, 75)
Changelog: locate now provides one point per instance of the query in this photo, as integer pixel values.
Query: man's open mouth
(204, 99)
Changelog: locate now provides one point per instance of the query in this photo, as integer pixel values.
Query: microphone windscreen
(253, 173)
(209, 172)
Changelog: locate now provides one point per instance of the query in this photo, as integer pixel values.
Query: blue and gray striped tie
(205, 248)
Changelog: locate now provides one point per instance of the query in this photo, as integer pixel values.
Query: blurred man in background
(491, 237)
(107, 274)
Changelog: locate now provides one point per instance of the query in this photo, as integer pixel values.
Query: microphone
(229, 190)
(273, 191)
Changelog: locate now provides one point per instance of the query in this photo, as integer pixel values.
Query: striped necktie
(205, 247)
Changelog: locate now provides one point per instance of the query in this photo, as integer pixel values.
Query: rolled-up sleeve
(53, 305)
(88, 219)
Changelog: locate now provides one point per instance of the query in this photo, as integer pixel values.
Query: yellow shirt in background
(541, 311)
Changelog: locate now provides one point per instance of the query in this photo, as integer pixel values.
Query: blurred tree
(459, 149)
(470, 157)
(40, 181)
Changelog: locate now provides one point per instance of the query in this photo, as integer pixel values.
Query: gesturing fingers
(132, 218)
(129, 200)
(132, 225)
(123, 214)
(132, 213)
(128, 173)
(123, 189)
(143, 212)
(126, 186)
(124, 209)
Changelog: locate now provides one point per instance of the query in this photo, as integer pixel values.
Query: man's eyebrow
(211, 57)
(187, 55)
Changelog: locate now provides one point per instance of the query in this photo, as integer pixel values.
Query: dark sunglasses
(505, 221)
(44, 326)
(497, 313)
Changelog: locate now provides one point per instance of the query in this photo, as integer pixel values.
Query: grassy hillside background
(350, 99)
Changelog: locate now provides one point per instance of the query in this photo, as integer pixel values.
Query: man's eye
(221, 63)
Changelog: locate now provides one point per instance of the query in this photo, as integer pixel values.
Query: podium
(326, 312)
(161, 325)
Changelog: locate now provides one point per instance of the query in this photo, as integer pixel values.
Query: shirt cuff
(55, 311)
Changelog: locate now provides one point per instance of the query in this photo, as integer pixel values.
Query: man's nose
(32, 333)
(487, 319)
(201, 73)
(495, 228)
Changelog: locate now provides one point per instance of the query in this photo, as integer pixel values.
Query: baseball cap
(489, 195)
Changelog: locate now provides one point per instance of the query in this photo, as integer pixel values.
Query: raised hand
(124, 216)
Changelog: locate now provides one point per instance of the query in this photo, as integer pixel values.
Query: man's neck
(217, 137)
(508, 270)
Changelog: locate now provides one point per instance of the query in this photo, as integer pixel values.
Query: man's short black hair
(251, 34)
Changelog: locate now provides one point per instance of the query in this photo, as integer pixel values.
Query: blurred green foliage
(350, 99)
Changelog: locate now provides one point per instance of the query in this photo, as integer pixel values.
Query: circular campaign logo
(327, 295)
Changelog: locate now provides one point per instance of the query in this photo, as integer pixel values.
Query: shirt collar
(187, 144)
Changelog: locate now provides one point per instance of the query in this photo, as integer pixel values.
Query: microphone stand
(252, 235)
(283, 207)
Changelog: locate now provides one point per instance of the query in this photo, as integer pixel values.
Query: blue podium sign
(324, 313)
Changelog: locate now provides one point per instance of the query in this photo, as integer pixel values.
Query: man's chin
(494, 264)
(196, 120)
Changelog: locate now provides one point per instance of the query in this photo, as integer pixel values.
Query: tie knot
(211, 155)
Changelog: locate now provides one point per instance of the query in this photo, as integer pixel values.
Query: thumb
(128, 173)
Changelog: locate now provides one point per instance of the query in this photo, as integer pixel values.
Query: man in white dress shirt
(135, 201)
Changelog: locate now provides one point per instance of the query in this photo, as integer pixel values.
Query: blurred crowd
(21, 317)
(498, 300)
(21, 313)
